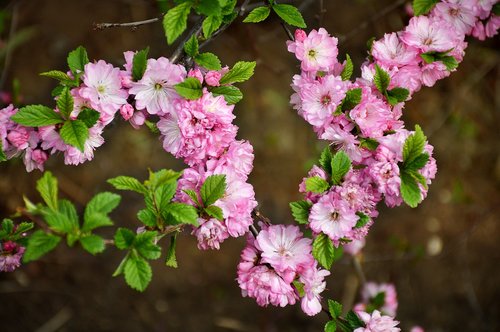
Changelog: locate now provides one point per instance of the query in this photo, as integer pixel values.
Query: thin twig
(288, 32)
(133, 25)
(359, 270)
(195, 30)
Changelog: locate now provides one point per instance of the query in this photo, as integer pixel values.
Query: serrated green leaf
(381, 79)
(191, 46)
(413, 146)
(97, 210)
(299, 287)
(75, 133)
(211, 24)
(58, 75)
(124, 238)
(128, 183)
(240, 72)
(121, 267)
(417, 163)
(145, 245)
(208, 60)
(317, 185)
(93, 244)
(228, 6)
(183, 213)
(147, 217)
(214, 212)
(353, 320)
(323, 250)
(171, 259)
(39, 244)
(423, 7)
(65, 102)
(161, 177)
(300, 211)
(341, 164)
(208, 7)
(259, 14)
(164, 194)
(56, 91)
(331, 326)
(290, 14)
(450, 62)
(419, 178)
(352, 99)
(47, 187)
(77, 59)
(139, 64)
(95, 220)
(325, 160)
(175, 21)
(36, 116)
(410, 192)
(7, 226)
(362, 221)
(193, 195)
(89, 116)
(231, 94)
(348, 69)
(190, 89)
(213, 188)
(369, 143)
(428, 57)
(399, 95)
(138, 273)
(335, 308)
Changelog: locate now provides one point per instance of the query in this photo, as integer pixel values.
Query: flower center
(427, 41)
(311, 53)
(158, 86)
(335, 216)
(325, 100)
(101, 89)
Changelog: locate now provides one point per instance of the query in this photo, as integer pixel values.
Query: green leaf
(175, 21)
(47, 187)
(56, 91)
(300, 211)
(59, 221)
(208, 60)
(68, 209)
(335, 308)
(214, 212)
(124, 238)
(323, 250)
(75, 133)
(183, 213)
(147, 217)
(417, 163)
(119, 270)
(77, 59)
(40, 243)
(58, 75)
(290, 15)
(36, 116)
(317, 185)
(299, 287)
(325, 160)
(413, 146)
(193, 195)
(397, 95)
(7, 226)
(104, 203)
(341, 164)
(496, 9)
(423, 7)
(331, 326)
(419, 178)
(144, 243)
(89, 116)
(381, 79)
(23, 227)
(352, 99)
(171, 259)
(211, 24)
(164, 194)
(428, 57)
(410, 192)
(139, 64)
(128, 183)
(240, 72)
(231, 94)
(259, 14)
(189, 89)
(191, 46)
(3, 157)
(65, 102)
(362, 221)
(450, 62)
(208, 7)
(348, 69)
(369, 143)
(93, 244)
(138, 273)
(353, 320)
(95, 220)
(161, 177)
(213, 188)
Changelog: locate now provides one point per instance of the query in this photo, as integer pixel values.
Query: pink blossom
(73, 156)
(285, 249)
(196, 73)
(300, 35)
(236, 162)
(343, 140)
(317, 52)
(127, 111)
(416, 329)
(103, 87)
(332, 216)
(373, 116)
(314, 284)
(126, 75)
(377, 323)
(390, 51)
(408, 77)
(210, 234)
(432, 72)
(155, 91)
(429, 35)
(390, 304)
(19, 137)
(51, 140)
(138, 119)
(10, 256)
(461, 18)
(212, 78)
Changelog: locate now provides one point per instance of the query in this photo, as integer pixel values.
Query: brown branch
(132, 25)
(359, 270)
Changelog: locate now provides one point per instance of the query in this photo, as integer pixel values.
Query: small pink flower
(196, 73)
(212, 78)
(377, 323)
(300, 35)
(127, 111)
(317, 52)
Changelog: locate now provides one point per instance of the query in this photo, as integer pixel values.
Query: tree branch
(133, 25)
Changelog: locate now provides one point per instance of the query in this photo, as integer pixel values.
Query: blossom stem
(133, 25)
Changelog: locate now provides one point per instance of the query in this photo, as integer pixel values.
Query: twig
(195, 30)
(288, 32)
(359, 270)
(133, 25)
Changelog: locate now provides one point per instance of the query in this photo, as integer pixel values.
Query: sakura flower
(429, 35)
(155, 91)
(10, 256)
(213, 77)
(314, 284)
(390, 302)
(377, 323)
(317, 52)
(457, 15)
(210, 234)
(390, 51)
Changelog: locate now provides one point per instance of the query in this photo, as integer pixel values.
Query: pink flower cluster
(376, 322)
(10, 256)
(273, 261)
(369, 294)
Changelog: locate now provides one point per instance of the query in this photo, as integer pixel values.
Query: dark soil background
(443, 256)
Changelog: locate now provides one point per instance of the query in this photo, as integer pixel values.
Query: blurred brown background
(442, 256)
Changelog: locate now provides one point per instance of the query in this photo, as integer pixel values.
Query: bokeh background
(443, 257)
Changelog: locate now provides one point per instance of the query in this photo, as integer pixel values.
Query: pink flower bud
(300, 35)
(127, 111)
(212, 78)
(19, 138)
(137, 119)
(9, 246)
(39, 156)
(196, 73)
